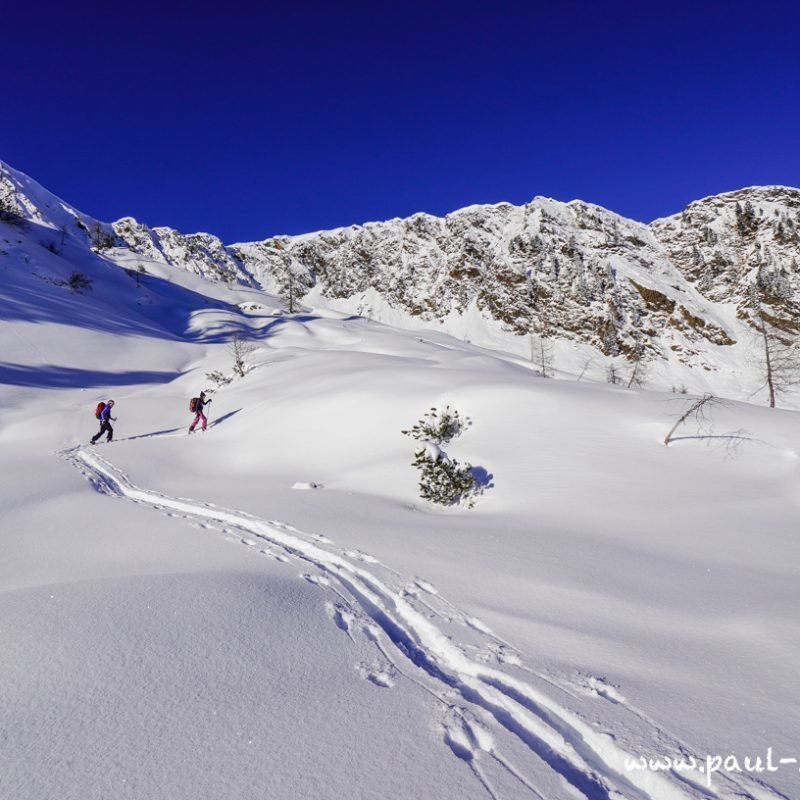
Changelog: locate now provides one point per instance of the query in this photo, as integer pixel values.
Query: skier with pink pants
(196, 405)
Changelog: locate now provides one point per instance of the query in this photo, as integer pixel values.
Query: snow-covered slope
(187, 617)
(609, 292)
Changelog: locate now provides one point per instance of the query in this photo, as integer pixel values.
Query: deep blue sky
(249, 120)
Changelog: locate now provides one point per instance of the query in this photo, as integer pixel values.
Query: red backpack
(193, 404)
(99, 410)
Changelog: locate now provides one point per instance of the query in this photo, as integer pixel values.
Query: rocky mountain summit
(732, 244)
(676, 293)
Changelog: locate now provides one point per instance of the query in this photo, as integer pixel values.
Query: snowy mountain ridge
(605, 290)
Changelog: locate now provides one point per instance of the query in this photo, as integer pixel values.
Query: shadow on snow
(35, 288)
(53, 377)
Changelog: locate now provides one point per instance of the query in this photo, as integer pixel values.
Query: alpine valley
(284, 607)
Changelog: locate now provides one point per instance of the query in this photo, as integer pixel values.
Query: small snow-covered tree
(443, 480)
(439, 427)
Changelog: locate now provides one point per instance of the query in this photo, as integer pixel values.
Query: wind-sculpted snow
(489, 703)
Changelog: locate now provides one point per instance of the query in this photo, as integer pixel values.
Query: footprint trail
(375, 601)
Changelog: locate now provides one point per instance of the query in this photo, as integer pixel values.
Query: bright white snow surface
(178, 621)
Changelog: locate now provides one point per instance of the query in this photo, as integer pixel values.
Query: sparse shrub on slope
(79, 282)
(218, 378)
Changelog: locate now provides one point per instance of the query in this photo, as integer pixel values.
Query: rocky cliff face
(735, 244)
(200, 253)
(571, 271)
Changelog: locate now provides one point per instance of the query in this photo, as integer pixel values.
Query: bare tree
(769, 374)
(531, 309)
(780, 361)
(638, 376)
(586, 364)
(780, 354)
(101, 238)
(542, 354)
(137, 274)
(540, 342)
(700, 411)
(291, 288)
(239, 349)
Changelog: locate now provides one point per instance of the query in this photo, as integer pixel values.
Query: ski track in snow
(400, 616)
